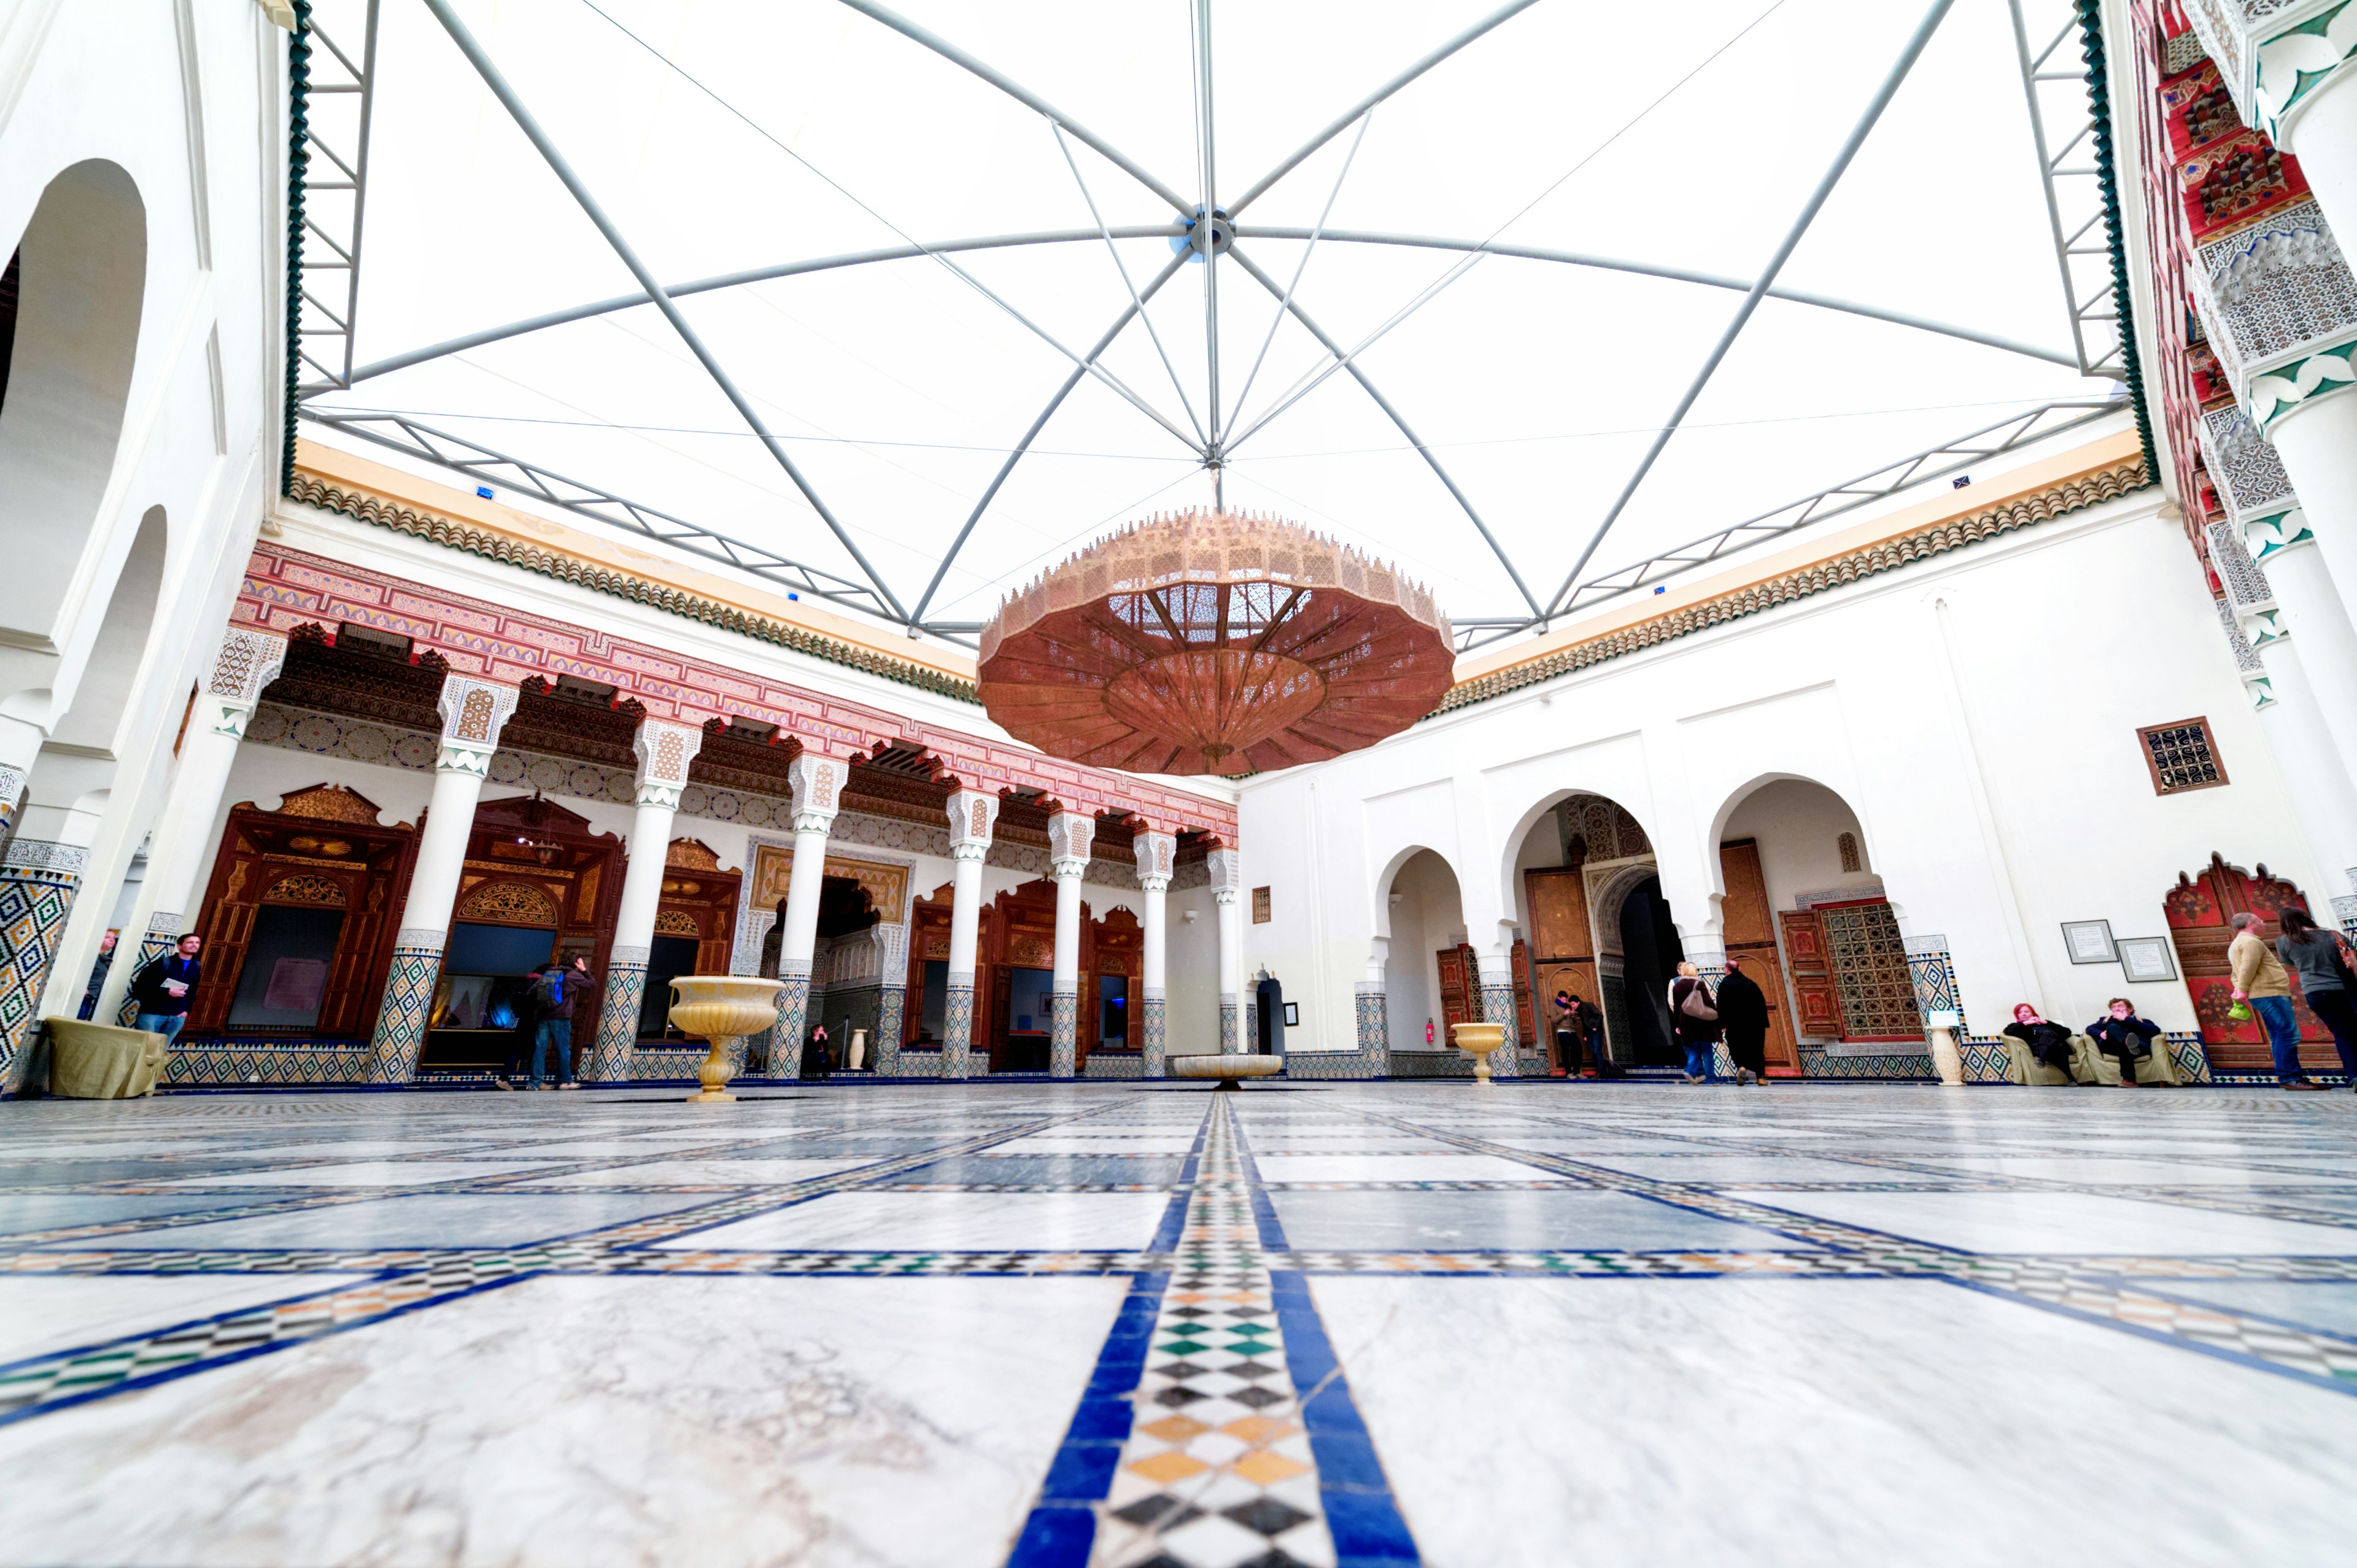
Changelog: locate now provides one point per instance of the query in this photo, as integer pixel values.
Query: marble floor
(1105, 1324)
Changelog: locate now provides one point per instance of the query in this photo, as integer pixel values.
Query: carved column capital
(1156, 855)
(817, 782)
(2275, 56)
(1069, 836)
(664, 749)
(1227, 868)
(247, 660)
(473, 712)
(973, 814)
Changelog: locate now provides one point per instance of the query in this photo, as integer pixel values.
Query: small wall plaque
(2089, 941)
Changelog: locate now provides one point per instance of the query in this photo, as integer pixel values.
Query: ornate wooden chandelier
(1214, 642)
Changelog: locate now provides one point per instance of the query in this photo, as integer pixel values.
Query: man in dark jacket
(553, 996)
(1743, 1008)
(162, 988)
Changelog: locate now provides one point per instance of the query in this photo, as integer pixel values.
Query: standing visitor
(815, 1060)
(98, 974)
(2324, 963)
(2050, 1042)
(161, 989)
(2261, 981)
(2120, 1033)
(1566, 1025)
(1694, 1013)
(1743, 1012)
(553, 995)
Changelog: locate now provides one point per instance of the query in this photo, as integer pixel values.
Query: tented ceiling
(722, 138)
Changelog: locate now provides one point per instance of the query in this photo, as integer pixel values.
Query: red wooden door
(1814, 992)
(2198, 908)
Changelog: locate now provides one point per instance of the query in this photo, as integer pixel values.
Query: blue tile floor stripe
(1360, 1512)
(1063, 1525)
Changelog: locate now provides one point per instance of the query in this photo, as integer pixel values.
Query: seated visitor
(2327, 969)
(2120, 1033)
(2050, 1042)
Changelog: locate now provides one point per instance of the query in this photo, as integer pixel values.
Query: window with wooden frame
(1260, 906)
(2181, 757)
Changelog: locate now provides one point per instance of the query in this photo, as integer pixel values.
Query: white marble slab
(358, 1148)
(1396, 1167)
(373, 1173)
(43, 1314)
(2035, 1222)
(702, 1172)
(2102, 1171)
(1822, 1424)
(1723, 1169)
(945, 1221)
(569, 1422)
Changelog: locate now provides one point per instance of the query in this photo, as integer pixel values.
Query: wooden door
(1751, 934)
(2198, 910)
(1460, 991)
(1525, 1026)
(1809, 970)
(1562, 945)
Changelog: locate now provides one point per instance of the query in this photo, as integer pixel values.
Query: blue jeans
(556, 1032)
(1698, 1058)
(2282, 1034)
(165, 1024)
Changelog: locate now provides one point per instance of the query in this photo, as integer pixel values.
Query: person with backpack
(2327, 969)
(553, 996)
(161, 989)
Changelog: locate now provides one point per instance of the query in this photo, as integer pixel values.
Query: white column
(664, 749)
(473, 714)
(972, 815)
(1497, 970)
(1156, 853)
(181, 847)
(1227, 891)
(1069, 834)
(2318, 443)
(818, 782)
(2322, 787)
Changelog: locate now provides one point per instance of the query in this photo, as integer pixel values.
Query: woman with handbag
(2322, 960)
(1694, 1013)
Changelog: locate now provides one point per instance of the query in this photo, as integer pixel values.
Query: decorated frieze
(286, 588)
(2275, 56)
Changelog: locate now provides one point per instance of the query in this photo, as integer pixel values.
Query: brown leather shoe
(2305, 1084)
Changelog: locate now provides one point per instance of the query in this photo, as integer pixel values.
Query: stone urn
(1480, 1040)
(723, 1008)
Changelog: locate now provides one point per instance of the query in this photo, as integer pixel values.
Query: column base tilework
(1064, 1033)
(1497, 1007)
(400, 1023)
(618, 1024)
(793, 1014)
(1158, 1037)
(1113, 1065)
(957, 1030)
(246, 1064)
(37, 883)
(1816, 1062)
(1229, 1042)
(884, 1051)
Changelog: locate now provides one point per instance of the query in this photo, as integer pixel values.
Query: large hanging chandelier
(1214, 642)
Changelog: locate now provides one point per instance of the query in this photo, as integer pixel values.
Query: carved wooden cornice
(455, 535)
(1856, 565)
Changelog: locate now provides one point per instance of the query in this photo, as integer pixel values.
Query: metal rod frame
(1916, 43)
(2095, 309)
(337, 375)
(539, 138)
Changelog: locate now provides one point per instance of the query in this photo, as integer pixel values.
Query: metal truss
(2008, 435)
(341, 102)
(2074, 199)
(488, 465)
(326, 341)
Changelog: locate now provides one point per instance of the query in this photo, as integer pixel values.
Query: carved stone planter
(1479, 1040)
(723, 1008)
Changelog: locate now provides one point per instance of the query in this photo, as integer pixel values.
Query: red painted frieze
(286, 588)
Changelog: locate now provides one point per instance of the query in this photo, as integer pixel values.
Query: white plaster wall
(1190, 991)
(1798, 825)
(1977, 720)
(189, 99)
(1428, 916)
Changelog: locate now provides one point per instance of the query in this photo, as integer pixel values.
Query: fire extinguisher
(1427, 1032)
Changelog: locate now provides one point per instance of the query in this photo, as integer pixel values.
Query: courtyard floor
(1035, 1324)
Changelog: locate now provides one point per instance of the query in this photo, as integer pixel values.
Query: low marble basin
(1228, 1070)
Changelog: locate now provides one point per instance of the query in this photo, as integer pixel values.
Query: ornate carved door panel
(2197, 909)
(1459, 989)
(1809, 970)
(1562, 944)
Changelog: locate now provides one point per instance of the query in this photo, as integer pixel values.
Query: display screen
(497, 949)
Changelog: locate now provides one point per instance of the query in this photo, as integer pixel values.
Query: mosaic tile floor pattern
(1294, 1325)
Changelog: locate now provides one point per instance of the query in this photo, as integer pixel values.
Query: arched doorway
(81, 274)
(1651, 952)
(1591, 898)
(1429, 981)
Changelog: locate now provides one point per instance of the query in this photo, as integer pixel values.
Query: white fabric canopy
(721, 136)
